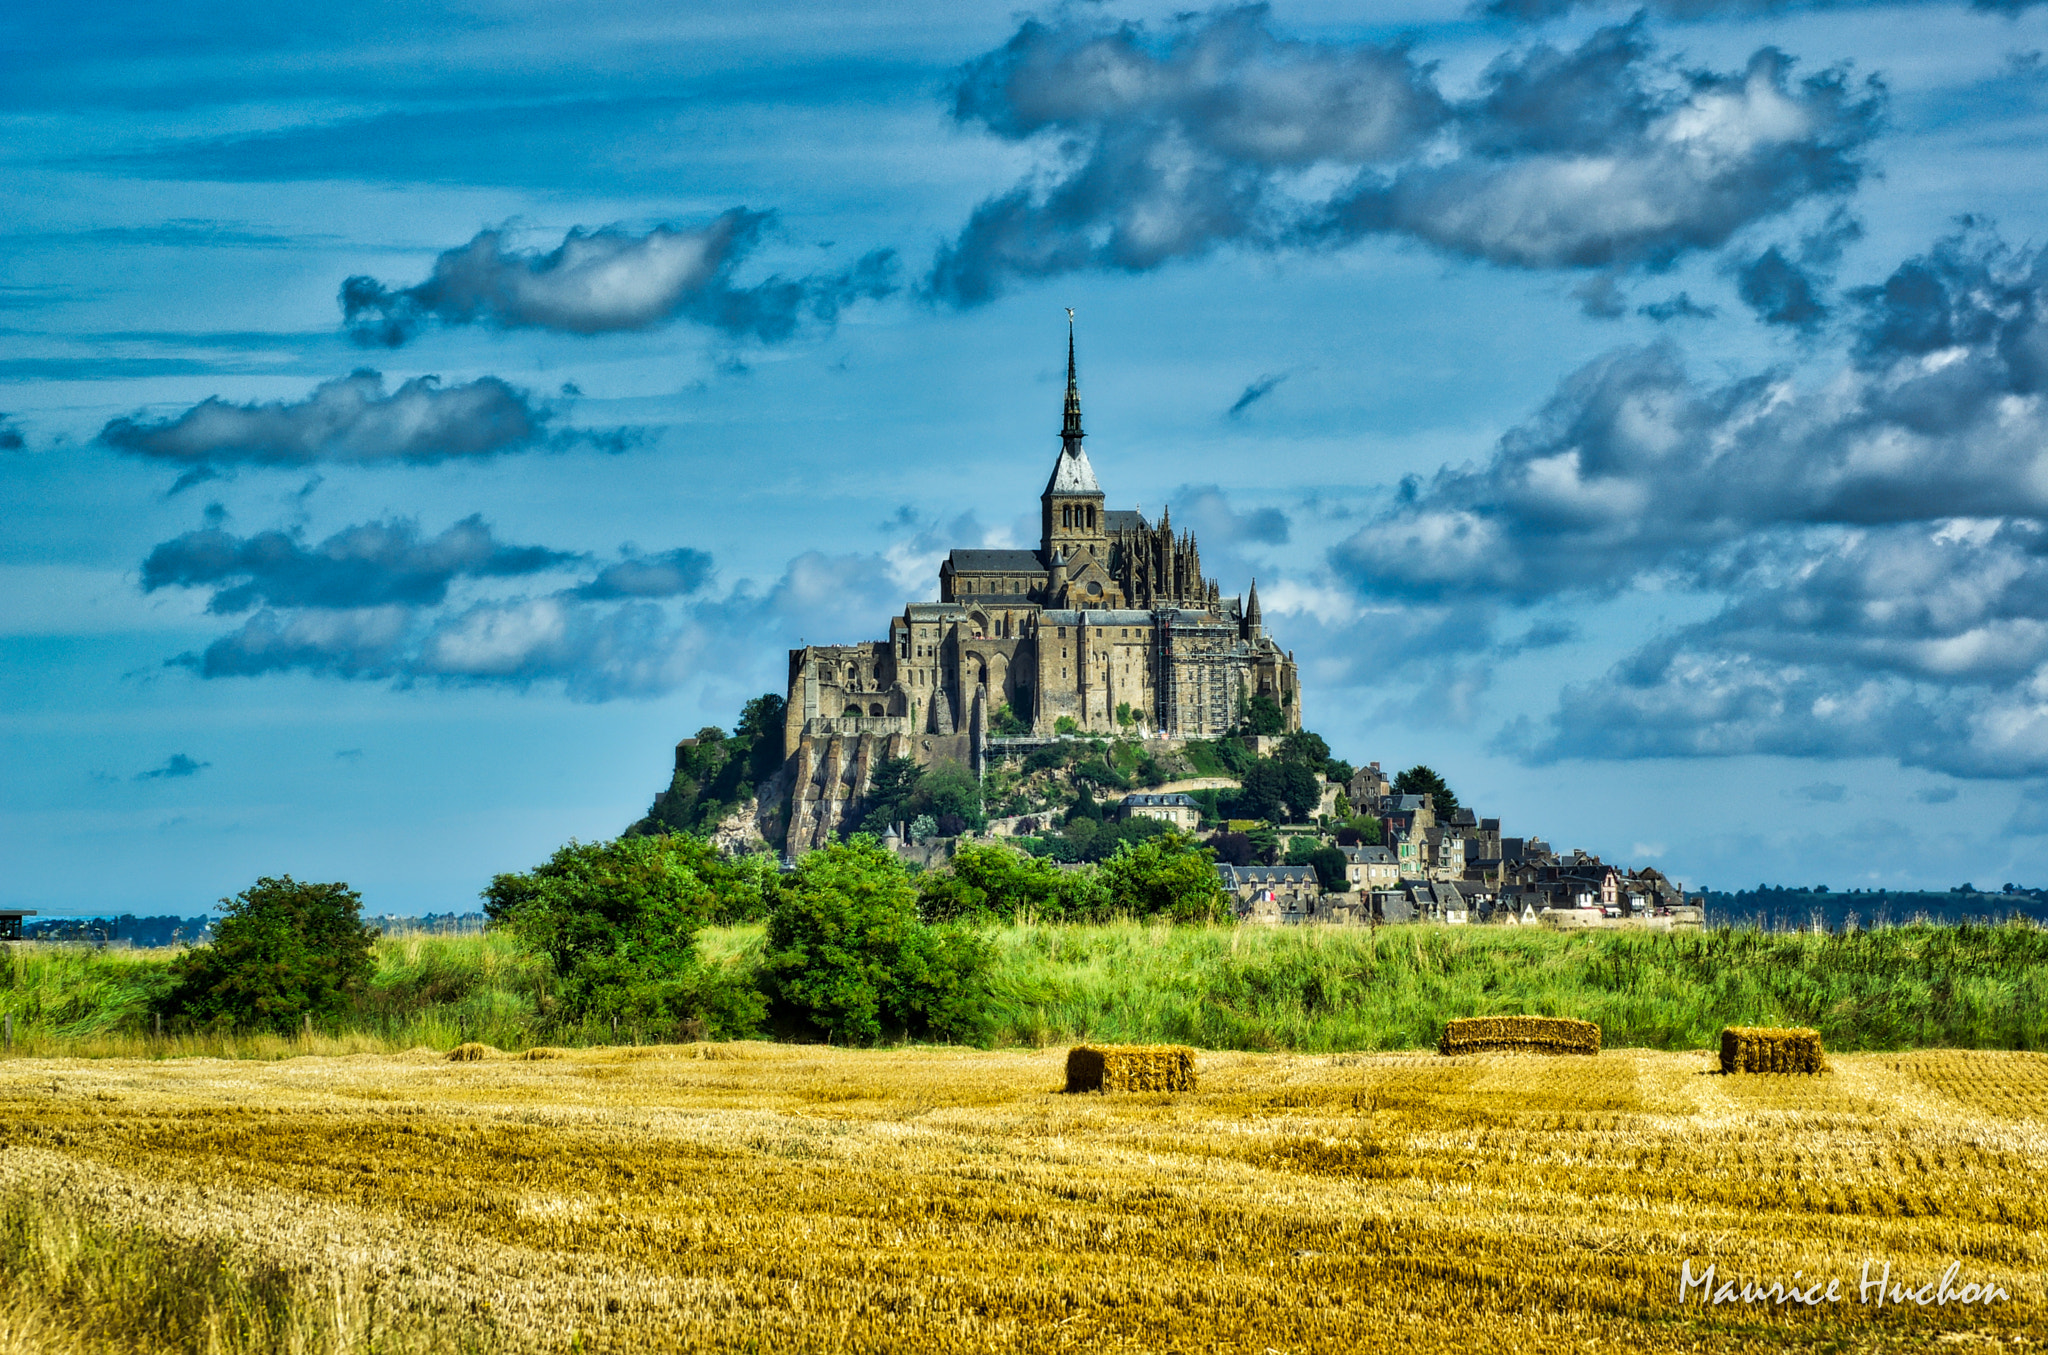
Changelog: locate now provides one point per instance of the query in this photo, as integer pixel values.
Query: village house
(1177, 809)
(1371, 868)
(1283, 894)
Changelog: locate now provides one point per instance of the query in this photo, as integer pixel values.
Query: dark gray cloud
(1927, 642)
(1936, 795)
(669, 574)
(609, 280)
(1255, 392)
(1791, 289)
(1677, 307)
(175, 766)
(11, 439)
(1217, 522)
(1633, 466)
(352, 419)
(380, 603)
(1780, 292)
(1216, 131)
(1823, 792)
(1878, 538)
(1537, 11)
(374, 564)
(1600, 297)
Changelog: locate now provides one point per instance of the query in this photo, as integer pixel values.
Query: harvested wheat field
(778, 1198)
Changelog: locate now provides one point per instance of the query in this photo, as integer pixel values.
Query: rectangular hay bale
(1131, 1068)
(1519, 1034)
(1770, 1049)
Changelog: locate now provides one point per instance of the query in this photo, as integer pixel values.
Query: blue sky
(419, 416)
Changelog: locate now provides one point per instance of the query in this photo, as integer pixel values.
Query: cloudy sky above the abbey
(1645, 402)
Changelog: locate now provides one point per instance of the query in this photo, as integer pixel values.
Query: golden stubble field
(779, 1198)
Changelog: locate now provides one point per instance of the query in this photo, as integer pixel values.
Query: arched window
(1091, 517)
(1066, 515)
(875, 709)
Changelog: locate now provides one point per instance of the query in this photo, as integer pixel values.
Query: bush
(282, 952)
(1166, 876)
(1045, 759)
(1329, 864)
(849, 959)
(1262, 715)
(1104, 841)
(619, 921)
(1006, 724)
(994, 884)
(1234, 848)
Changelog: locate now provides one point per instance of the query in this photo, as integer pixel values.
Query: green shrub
(282, 952)
(1167, 876)
(619, 920)
(848, 957)
(990, 883)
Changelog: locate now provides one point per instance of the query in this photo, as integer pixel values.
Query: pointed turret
(1252, 630)
(1070, 431)
(1074, 517)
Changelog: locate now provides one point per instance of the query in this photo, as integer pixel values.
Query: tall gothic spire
(1071, 473)
(1070, 432)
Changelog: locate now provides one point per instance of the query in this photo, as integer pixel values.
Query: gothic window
(1067, 516)
(1091, 519)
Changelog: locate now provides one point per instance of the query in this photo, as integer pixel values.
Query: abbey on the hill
(1109, 624)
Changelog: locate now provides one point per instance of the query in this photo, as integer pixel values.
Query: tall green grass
(1333, 988)
(1302, 988)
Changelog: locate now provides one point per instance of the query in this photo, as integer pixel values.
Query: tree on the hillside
(1084, 806)
(282, 952)
(890, 789)
(1329, 864)
(1277, 789)
(1420, 780)
(992, 883)
(715, 774)
(948, 790)
(1167, 876)
(619, 921)
(1232, 848)
(1305, 746)
(1261, 715)
(849, 959)
(1363, 831)
(1005, 723)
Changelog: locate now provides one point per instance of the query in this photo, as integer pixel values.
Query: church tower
(1074, 520)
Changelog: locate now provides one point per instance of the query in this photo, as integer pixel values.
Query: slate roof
(1072, 474)
(1097, 616)
(995, 562)
(1123, 520)
(1177, 800)
(1265, 875)
(1368, 856)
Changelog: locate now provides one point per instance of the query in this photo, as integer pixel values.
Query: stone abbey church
(1110, 616)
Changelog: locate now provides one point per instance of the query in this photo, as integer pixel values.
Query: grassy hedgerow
(1309, 989)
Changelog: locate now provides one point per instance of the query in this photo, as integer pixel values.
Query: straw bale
(1771, 1049)
(545, 1052)
(469, 1053)
(1519, 1034)
(1131, 1068)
